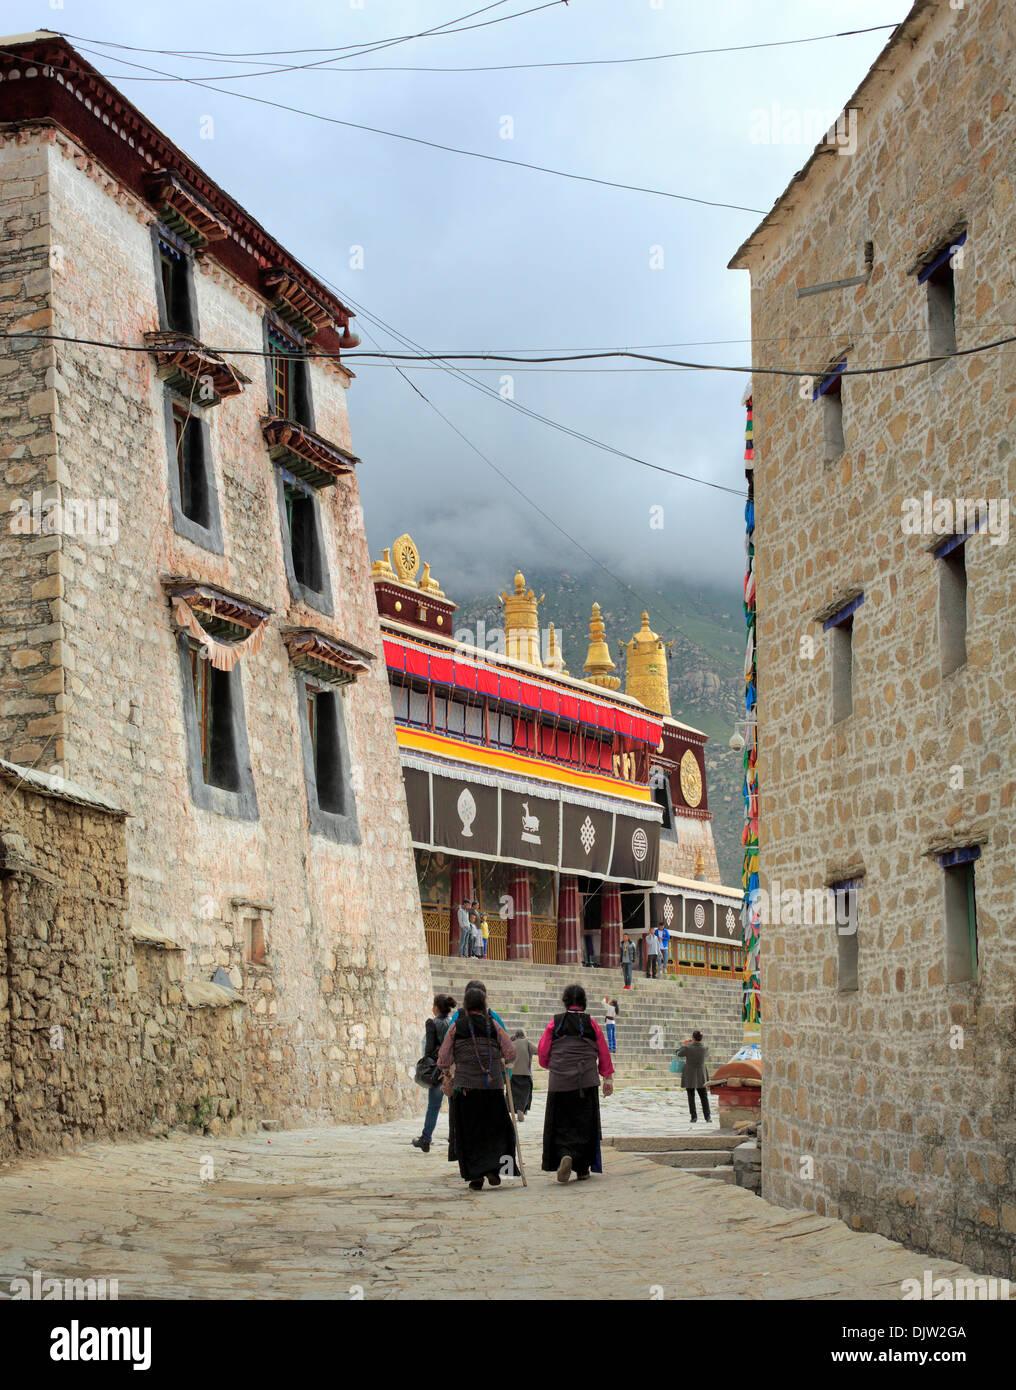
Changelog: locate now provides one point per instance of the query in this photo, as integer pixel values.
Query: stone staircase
(655, 1015)
(706, 1155)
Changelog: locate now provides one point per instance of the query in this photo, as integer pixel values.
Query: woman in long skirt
(574, 1051)
(522, 1074)
(481, 1137)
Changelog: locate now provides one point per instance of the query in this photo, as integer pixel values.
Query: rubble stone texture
(874, 1109)
(90, 681)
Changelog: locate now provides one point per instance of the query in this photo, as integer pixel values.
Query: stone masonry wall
(337, 1005)
(98, 1036)
(910, 1124)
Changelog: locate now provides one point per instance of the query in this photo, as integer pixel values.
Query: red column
(568, 921)
(610, 925)
(462, 887)
(520, 924)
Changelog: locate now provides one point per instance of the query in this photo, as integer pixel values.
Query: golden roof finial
(598, 664)
(555, 657)
(700, 867)
(521, 623)
(646, 669)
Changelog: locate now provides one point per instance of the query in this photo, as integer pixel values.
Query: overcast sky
(463, 254)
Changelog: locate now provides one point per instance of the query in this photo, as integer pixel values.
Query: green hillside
(706, 666)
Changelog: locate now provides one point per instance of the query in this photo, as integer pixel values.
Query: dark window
(960, 914)
(288, 379)
(213, 704)
(840, 627)
(192, 466)
(330, 794)
(304, 537)
(176, 307)
(829, 393)
(940, 288)
(845, 900)
(952, 605)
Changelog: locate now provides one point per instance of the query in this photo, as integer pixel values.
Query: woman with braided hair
(481, 1137)
(574, 1051)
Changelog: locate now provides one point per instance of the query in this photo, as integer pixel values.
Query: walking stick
(515, 1124)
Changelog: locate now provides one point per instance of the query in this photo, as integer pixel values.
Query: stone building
(886, 653)
(186, 618)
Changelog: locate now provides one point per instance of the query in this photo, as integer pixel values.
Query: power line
(31, 336)
(434, 144)
(321, 66)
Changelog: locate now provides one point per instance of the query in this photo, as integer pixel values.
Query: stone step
(695, 1158)
(726, 1175)
(674, 1143)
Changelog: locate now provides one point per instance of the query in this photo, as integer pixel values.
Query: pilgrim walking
(522, 1074)
(574, 1051)
(427, 1069)
(481, 1135)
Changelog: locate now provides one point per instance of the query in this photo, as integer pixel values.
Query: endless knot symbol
(730, 921)
(639, 845)
(668, 912)
(587, 834)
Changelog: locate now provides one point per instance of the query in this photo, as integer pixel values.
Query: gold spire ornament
(521, 622)
(646, 669)
(598, 664)
(700, 867)
(555, 657)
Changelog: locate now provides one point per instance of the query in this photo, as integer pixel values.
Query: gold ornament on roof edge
(598, 664)
(646, 676)
(691, 778)
(406, 558)
(382, 569)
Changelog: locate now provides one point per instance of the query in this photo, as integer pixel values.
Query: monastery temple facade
(571, 810)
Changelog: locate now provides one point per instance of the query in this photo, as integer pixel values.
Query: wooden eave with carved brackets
(324, 657)
(192, 369)
(304, 453)
(223, 614)
(183, 211)
(296, 303)
(45, 81)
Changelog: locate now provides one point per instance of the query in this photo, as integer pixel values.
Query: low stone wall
(99, 1034)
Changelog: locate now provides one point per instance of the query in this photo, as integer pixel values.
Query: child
(609, 1026)
(485, 933)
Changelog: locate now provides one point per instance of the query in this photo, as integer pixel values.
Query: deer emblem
(530, 826)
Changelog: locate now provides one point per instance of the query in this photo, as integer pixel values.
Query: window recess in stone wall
(192, 489)
(829, 393)
(303, 541)
(960, 913)
(324, 667)
(938, 278)
(215, 630)
(840, 626)
(952, 603)
(845, 916)
(174, 284)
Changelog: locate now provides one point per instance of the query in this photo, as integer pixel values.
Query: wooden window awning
(225, 625)
(305, 453)
(195, 371)
(299, 306)
(183, 211)
(326, 658)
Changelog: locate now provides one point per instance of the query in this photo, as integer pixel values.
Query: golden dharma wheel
(406, 559)
(691, 778)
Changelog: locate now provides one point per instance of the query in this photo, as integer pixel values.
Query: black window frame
(181, 315)
(319, 599)
(209, 535)
(238, 800)
(342, 826)
(301, 398)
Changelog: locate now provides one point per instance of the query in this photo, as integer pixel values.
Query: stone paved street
(320, 1213)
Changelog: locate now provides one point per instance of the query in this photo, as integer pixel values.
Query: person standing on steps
(574, 1051)
(485, 935)
(436, 1029)
(664, 948)
(627, 959)
(522, 1074)
(695, 1076)
(465, 928)
(481, 1136)
(652, 944)
(610, 1023)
